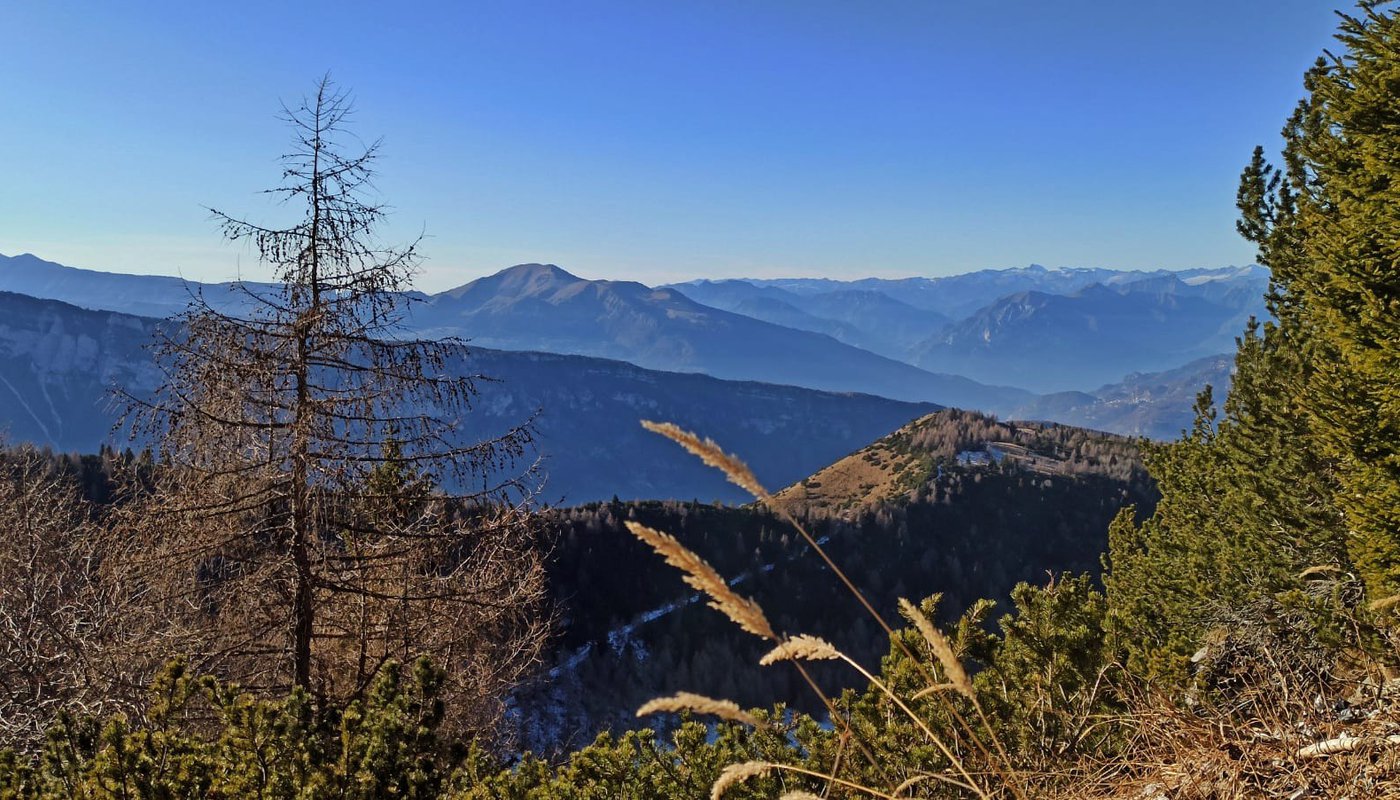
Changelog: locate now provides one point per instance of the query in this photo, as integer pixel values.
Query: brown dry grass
(701, 576)
(872, 475)
(1272, 714)
(688, 703)
(1203, 754)
(1279, 730)
(999, 779)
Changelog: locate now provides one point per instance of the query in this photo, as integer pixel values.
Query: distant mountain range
(544, 308)
(865, 318)
(140, 295)
(1052, 343)
(1033, 328)
(959, 296)
(1057, 332)
(1158, 405)
(59, 363)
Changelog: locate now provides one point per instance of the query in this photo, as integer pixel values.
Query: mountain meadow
(1016, 533)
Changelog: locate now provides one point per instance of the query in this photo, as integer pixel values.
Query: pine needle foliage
(203, 738)
(1301, 470)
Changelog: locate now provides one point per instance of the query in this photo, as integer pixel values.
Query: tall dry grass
(1176, 752)
(977, 762)
(1271, 728)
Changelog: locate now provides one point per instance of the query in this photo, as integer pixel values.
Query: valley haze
(803, 370)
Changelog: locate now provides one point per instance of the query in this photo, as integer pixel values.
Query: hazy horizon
(660, 142)
(429, 289)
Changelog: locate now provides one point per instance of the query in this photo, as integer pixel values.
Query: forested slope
(941, 525)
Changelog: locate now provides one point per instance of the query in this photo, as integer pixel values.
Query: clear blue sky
(661, 140)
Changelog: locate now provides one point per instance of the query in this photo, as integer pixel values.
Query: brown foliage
(57, 624)
(319, 512)
(461, 584)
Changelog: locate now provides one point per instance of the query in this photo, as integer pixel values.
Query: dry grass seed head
(942, 649)
(709, 452)
(1384, 603)
(743, 612)
(934, 689)
(801, 648)
(697, 704)
(799, 795)
(1319, 569)
(738, 773)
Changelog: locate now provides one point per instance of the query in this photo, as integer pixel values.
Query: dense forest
(1240, 640)
(626, 631)
(630, 632)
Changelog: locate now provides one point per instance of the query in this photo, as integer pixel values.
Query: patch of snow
(974, 458)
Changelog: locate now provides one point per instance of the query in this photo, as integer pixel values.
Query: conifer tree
(1302, 473)
(324, 511)
(1333, 238)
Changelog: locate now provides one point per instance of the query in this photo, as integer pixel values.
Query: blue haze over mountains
(58, 363)
(542, 307)
(796, 372)
(1033, 328)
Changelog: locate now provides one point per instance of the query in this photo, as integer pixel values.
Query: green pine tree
(1303, 469)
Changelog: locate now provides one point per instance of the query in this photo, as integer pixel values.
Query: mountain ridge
(543, 307)
(59, 364)
(898, 467)
(1061, 342)
(775, 335)
(862, 318)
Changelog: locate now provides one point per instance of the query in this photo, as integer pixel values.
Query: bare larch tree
(324, 511)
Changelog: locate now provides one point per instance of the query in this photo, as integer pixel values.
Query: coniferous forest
(302, 581)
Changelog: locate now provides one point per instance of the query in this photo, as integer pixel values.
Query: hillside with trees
(966, 531)
(1240, 640)
(290, 529)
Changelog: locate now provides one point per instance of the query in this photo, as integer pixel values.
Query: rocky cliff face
(60, 366)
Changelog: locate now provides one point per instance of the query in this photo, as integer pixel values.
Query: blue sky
(660, 140)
